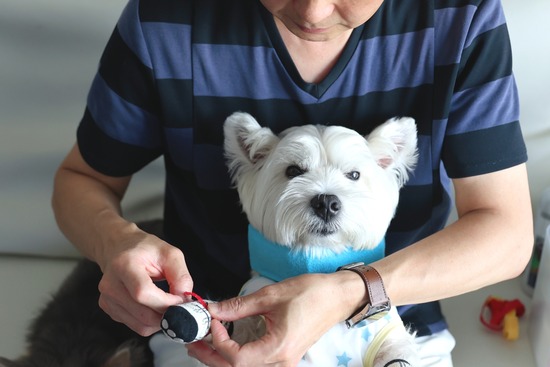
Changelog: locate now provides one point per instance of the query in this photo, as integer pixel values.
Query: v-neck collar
(315, 89)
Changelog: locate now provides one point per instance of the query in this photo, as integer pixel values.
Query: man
(173, 71)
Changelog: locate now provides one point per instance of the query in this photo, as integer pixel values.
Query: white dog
(319, 197)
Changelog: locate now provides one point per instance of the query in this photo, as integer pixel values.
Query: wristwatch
(378, 299)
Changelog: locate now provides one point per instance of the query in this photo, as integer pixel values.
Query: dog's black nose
(326, 206)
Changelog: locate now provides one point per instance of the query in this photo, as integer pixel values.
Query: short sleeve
(483, 132)
(120, 131)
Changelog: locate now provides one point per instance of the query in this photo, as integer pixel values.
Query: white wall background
(49, 51)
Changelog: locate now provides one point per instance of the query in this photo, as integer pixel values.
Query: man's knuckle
(237, 303)
(103, 286)
(173, 252)
(268, 294)
(141, 295)
(145, 331)
(103, 304)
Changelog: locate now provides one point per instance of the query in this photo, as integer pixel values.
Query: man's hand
(297, 311)
(128, 293)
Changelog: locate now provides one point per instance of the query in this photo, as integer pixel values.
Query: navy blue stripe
(209, 167)
(423, 172)
(441, 4)
(414, 209)
(179, 144)
(176, 102)
(222, 22)
(361, 114)
(110, 156)
(481, 157)
(445, 77)
(403, 16)
(202, 207)
(171, 11)
(488, 58)
(439, 129)
(406, 227)
(128, 76)
(228, 271)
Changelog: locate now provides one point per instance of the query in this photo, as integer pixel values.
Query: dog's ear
(393, 145)
(246, 142)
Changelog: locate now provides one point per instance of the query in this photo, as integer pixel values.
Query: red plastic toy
(503, 317)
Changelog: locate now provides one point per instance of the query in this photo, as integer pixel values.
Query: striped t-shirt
(173, 70)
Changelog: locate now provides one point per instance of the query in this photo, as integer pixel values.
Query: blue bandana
(279, 262)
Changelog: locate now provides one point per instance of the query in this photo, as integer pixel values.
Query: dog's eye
(294, 171)
(353, 175)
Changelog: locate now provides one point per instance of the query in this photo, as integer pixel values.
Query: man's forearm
(87, 207)
(490, 242)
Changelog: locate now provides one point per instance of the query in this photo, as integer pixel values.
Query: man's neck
(314, 60)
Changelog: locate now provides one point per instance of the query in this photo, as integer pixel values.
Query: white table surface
(478, 346)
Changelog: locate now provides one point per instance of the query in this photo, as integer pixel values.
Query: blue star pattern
(367, 335)
(343, 360)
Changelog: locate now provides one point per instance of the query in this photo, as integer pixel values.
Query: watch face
(373, 310)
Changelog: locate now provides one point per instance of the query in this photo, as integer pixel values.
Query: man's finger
(235, 308)
(142, 290)
(208, 356)
(222, 342)
(176, 273)
(145, 324)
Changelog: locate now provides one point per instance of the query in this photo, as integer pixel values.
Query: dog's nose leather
(326, 206)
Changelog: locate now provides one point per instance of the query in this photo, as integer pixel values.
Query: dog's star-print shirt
(340, 346)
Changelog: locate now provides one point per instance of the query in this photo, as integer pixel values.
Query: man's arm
(490, 242)
(88, 211)
(87, 207)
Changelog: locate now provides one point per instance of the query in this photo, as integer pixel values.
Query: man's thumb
(233, 309)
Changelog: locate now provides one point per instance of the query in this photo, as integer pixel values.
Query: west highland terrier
(317, 198)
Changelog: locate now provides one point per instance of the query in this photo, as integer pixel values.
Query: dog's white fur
(280, 208)
(364, 172)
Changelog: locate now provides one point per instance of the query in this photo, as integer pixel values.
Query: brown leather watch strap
(378, 299)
